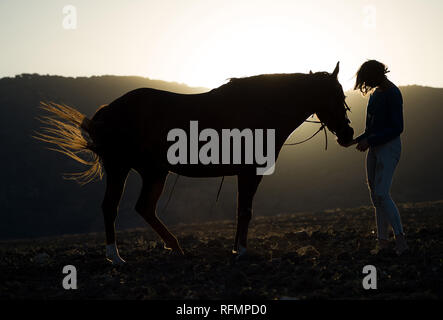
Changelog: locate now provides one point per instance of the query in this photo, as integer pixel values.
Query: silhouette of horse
(131, 133)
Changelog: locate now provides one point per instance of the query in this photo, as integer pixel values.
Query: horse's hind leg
(247, 186)
(115, 183)
(153, 183)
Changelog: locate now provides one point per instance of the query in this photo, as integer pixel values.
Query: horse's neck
(288, 118)
(289, 125)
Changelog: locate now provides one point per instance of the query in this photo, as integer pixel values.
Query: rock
(152, 244)
(297, 236)
(289, 298)
(215, 243)
(41, 258)
(308, 251)
(343, 256)
(235, 279)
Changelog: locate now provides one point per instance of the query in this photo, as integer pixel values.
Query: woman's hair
(369, 76)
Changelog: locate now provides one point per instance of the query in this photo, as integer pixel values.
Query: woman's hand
(363, 145)
(346, 145)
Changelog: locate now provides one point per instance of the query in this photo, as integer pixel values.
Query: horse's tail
(70, 132)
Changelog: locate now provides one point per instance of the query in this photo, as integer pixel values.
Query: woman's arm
(364, 135)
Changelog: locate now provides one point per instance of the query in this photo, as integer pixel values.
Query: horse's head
(332, 108)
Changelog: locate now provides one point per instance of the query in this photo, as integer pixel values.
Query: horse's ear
(310, 72)
(337, 68)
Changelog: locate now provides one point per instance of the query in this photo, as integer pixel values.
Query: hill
(305, 255)
(36, 201)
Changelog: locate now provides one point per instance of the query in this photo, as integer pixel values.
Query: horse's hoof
(177, 252)
(116, 261)
(174, 248)
(113, 256)
(239, 253)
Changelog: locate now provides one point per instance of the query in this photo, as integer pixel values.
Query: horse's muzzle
(345, 135)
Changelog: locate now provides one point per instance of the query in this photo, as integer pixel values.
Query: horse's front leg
(247, 186)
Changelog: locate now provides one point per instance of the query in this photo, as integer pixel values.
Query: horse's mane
(264, 79)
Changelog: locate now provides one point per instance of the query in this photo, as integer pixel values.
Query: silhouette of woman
(384, 124)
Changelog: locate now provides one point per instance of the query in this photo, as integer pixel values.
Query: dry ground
(301, 255)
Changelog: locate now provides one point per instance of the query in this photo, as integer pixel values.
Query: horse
(131, 133)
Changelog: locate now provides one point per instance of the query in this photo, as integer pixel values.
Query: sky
(204, 42)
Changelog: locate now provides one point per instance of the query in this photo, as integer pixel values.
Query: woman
(384, 124)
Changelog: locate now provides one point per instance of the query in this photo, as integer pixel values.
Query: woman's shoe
(400, 244)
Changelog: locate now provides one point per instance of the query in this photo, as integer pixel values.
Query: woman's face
(371, 82)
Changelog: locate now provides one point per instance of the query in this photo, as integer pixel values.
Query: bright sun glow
(257, 48)
(245, 47)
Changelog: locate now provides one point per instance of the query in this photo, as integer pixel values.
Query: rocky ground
(293, 256)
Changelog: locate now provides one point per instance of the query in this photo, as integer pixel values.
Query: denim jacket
(384, 117)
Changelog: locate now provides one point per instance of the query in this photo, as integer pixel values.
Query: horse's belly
(201, 171)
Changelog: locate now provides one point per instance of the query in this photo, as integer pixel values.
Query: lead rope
(173, 187)
(214, 205)
(219, 189)
(322, 127)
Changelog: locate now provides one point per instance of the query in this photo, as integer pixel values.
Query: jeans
(381, 162)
